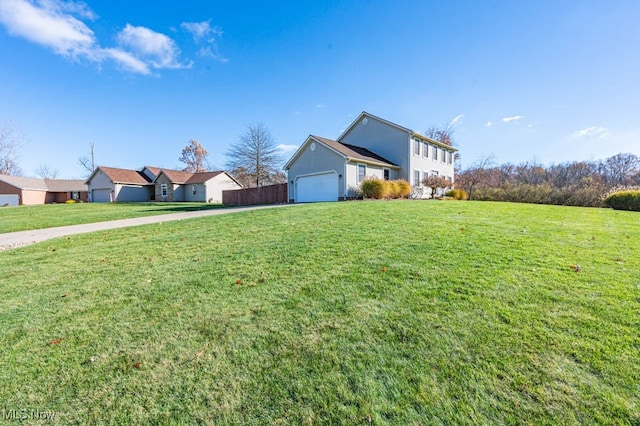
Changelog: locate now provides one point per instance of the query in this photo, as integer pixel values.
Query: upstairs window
(362, 172)
(444, 155)
(435, 153)
(449, 157)
(425, 150)
(416, 146)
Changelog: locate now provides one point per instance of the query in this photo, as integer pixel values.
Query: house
(175, 185)
(16, 190)
(330, 170)
(109, 184)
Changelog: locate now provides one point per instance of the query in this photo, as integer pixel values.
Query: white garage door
(9, 199)
(322, 187)
(101, 195)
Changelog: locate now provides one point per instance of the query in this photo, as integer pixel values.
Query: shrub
(458, 194)
(624, 200)
(70, 202)
(404, 189)
(374, 188)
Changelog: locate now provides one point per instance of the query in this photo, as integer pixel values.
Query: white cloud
(57, 25)
(593, 131)
(321, 105)
(457, 120)
(489, 123)
(514, 118)
(206, 37)
(47, 25)
(287, 148)
(154, 48)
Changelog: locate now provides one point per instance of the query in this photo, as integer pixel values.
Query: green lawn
(22, 218)
(406, 312)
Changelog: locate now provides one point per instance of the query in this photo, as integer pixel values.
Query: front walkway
(23, 238)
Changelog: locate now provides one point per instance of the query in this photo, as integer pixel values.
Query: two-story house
(330, 170)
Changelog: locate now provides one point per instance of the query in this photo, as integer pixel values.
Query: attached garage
(101, 195)
(9, 200)
(316, 188)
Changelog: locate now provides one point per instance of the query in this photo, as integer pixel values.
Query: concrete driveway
(24, 238)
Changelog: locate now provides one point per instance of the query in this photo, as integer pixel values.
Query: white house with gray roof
(330, 170)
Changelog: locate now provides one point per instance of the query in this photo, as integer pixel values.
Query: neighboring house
(16, 190)
(109, 184)
(327, 170)
(175, 185)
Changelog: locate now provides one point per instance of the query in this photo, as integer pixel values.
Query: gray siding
(133, 193)
(322, 159)
(383, 139)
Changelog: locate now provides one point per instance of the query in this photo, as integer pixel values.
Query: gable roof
(181, 177)
(349, 152)
(175, 176)
(122, 175)
(50, 185)
(410, 132)
(20, 182)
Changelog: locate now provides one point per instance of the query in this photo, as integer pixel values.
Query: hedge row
(379, 189)
(624, 200)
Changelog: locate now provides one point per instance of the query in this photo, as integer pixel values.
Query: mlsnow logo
(23, 415)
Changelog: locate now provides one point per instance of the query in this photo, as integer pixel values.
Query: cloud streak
(58, 25)
(206, 37)
(593, 131)
(513, 118)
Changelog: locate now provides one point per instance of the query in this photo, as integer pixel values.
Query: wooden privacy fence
(271, 194)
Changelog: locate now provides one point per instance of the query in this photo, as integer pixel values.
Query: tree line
(578, 183)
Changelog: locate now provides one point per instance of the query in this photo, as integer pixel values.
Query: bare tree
(256, 154)
(88, 162)
(442, 134)
(621, 168)
(46, 172)
(194, 156)
(10, 143)
(479, 173)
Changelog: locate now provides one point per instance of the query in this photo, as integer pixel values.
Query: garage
(9, 200)
(316, 188)
(101, 195)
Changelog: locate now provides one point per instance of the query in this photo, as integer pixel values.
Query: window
(416, 146)
(449, 157)
(434, 173)
(425, 175)
(435, 153)
(385, 174)
(75, 195)
(425, 150)
(163, 190)
(194, 189)
(416, 177)
(362, 172)
(444, 156)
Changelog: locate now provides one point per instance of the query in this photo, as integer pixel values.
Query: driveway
(24, 238)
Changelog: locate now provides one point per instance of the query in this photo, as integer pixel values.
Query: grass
(22, 218)
(402, 312)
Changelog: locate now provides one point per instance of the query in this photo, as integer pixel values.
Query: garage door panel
(101, 195)
(316, 188)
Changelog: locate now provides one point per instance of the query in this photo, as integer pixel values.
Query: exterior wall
(100, 181)
(215, 186)
(429, 165)
(383, 139)
(322, 159)
(5, 188)
(164, 179)
(32, 197)
(352, 184)
(199, 196)
(133, 193)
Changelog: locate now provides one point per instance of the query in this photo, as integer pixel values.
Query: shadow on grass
(186, 208)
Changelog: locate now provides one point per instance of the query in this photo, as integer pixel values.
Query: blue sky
(550, 81)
